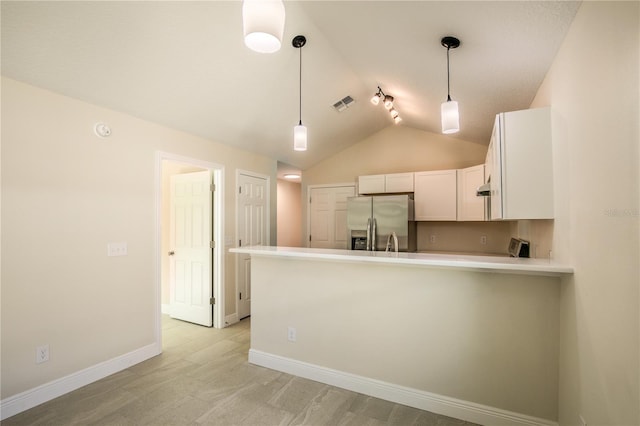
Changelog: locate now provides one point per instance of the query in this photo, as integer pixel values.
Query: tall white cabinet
(520, 167)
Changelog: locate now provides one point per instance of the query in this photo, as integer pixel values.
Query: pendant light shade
(449, 109)
(450, 117)
(263, 23)
(300, 137)
(299, 131)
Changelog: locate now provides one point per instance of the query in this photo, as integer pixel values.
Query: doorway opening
(168, 165)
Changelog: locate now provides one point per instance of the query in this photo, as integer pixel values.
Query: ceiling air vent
(343, 103)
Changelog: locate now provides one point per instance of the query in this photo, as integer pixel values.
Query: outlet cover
(42, 354)
(292, 334)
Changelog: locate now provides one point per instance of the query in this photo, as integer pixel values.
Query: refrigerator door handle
(374, 231)
(368, 234)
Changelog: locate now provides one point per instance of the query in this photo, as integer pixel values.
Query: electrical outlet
(432, 239)
(483, 240)
(42, 354)
(117, 249)
(292, 334)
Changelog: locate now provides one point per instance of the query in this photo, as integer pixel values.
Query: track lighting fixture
(263, 24)
(387, 101)
(449, 109)
(300, 131)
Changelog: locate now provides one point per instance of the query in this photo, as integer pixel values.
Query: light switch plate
(117, 249)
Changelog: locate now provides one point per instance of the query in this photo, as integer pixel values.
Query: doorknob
(171, 253)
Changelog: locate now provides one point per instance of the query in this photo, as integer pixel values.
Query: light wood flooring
(203, 377)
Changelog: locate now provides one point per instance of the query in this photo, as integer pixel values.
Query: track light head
(388, 101)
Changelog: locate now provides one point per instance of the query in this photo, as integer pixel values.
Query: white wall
(395, 149)
(67, 193)
(594, 92)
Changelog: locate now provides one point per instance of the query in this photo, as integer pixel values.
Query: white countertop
(499, 264)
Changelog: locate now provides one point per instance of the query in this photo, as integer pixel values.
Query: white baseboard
(423, 400)
(28, 399)
(231, 319)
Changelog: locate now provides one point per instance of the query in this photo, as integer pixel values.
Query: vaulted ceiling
(184, 65)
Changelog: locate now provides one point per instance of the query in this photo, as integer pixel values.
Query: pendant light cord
(300, 87)
(448, 78)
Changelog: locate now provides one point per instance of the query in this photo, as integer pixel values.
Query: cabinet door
(399, 182)
(371, 184)
(527, 165)
(435, 195)
(470, 206)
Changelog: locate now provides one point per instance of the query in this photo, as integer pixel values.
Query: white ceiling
(184, 65)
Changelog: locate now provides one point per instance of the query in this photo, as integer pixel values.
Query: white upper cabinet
(435, 195)
(399, 182)
(372, 184)
(470, 206)
(389, 183)
(520, 165)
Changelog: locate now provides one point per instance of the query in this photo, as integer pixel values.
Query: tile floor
(203, 378)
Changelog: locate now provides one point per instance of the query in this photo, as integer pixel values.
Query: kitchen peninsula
(473, 337)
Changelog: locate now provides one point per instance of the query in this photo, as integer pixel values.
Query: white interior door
(190, 236)
(252, 231)
(328, 216)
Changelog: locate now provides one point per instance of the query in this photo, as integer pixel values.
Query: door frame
(235, 317)
(308, 203)
(217, 172)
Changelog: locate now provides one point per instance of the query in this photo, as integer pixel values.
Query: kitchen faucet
(395, 241)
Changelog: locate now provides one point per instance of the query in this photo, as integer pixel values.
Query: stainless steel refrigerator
(375, 222)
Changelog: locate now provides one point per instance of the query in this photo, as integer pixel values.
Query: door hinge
(213, 187)
(212, 244)
(212, 301)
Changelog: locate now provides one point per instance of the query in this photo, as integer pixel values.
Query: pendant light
(300, 131)
(263, 24)
(449, 109)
